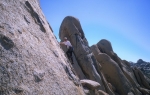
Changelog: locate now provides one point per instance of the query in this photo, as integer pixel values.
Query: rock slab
(31, 61)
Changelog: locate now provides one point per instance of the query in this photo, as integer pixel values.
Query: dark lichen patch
(6, 42)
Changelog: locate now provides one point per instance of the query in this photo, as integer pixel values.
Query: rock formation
(130, 73)
(99, 63)
(143, 66)
(31, 61)
(90, 67)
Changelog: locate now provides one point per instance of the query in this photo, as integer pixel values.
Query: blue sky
(125, 23)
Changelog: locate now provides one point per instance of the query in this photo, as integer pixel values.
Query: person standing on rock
(67, 43)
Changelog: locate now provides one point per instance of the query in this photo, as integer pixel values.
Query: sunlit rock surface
(31, 61)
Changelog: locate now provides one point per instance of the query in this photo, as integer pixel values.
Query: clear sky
(125, 23)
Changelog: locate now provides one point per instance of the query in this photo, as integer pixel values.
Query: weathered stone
(32, 62)
(145, 83)
(92, 85)
(126, 63)
(75, 66)
(22, 89)
(71, 29)
(144, 91)
(129, 73)
(141, 78)
(96, 51)
(30, 56)
(130, 93)
(105, 47)
(6, 42)
(100, 92)
(35, 16)
(112, 87)
(143, 66)
(87, 92)
(112, 71)
(38, 75)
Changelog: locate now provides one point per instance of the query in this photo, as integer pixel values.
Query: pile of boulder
(101, 64)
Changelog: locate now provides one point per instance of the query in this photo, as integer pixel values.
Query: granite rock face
(31, 61)
(71, 29)
(90, 84)
(143, 66)
(112, 72)
(133, 75)
(84, 57)
(101, 64)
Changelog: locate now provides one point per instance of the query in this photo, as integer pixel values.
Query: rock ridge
(33, 63)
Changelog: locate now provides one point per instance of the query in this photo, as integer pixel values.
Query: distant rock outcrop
(143, 66)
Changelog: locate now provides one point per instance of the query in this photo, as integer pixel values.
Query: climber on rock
(67, 43)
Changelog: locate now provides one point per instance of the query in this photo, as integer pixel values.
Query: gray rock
(112, 71)
(100, 92)
(143, 66)
(92, 85)
(30, 56)
(141, 78)
(130, 93)
(105, 47)
(96, 51)
(87, 92)
(32, 62)
(38, 75)
(144, 91)
(71, 29)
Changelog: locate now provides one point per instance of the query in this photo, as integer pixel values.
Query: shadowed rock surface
(90, 84)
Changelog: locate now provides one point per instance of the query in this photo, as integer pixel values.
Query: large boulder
(108, 88)
(128, 72)
(112, 71)
(92, 85)
(144, 91)
(31, 61)
(71, 29)
(100, 92)
(141, 78)
(105, 47)
(136, 78)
